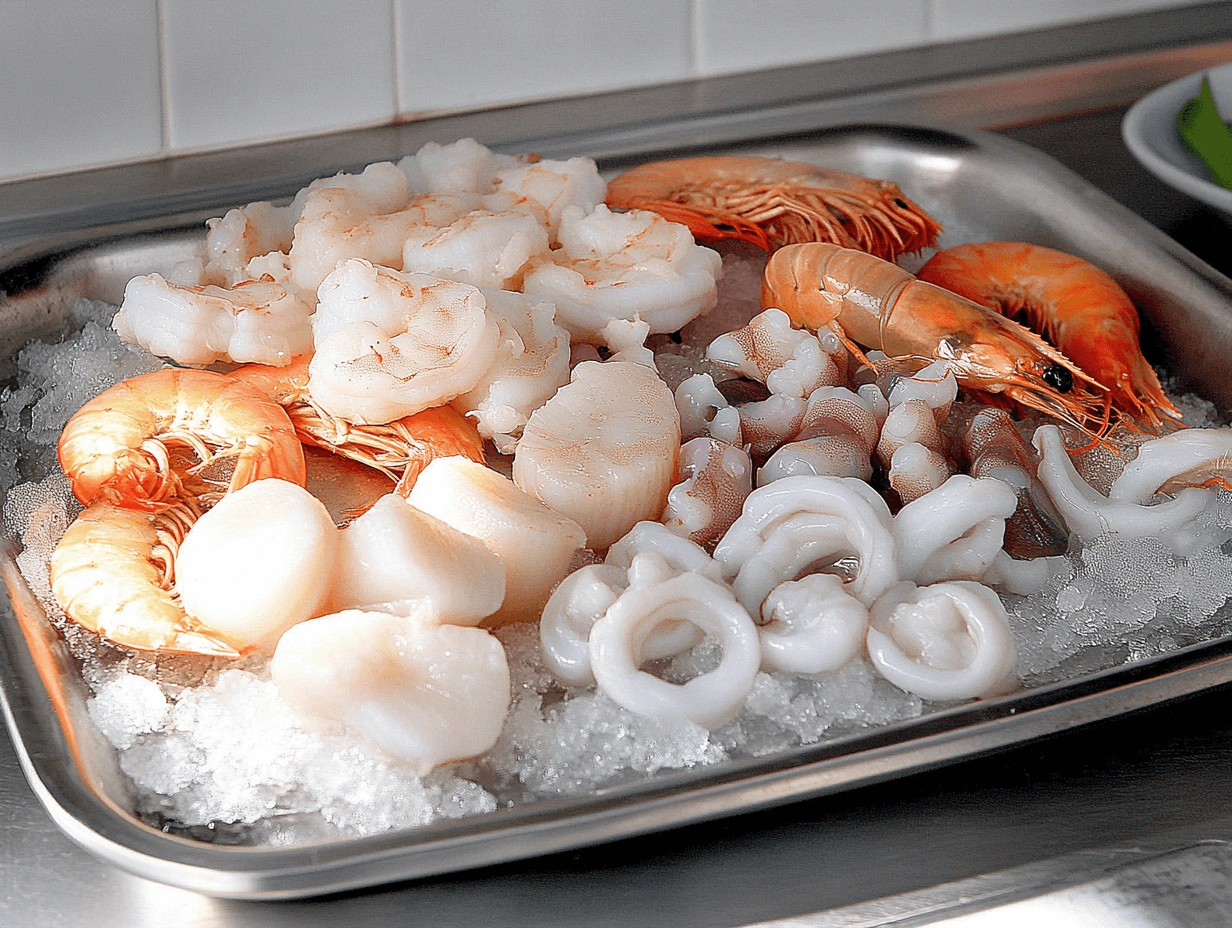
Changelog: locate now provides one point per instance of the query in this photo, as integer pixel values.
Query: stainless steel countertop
(1118, 814)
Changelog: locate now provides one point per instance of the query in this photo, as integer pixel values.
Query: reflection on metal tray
(980, 185)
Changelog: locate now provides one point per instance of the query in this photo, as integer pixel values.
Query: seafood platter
(479, 505)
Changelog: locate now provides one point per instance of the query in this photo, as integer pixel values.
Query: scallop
(258, 562)
(602, 451)
(535, 544)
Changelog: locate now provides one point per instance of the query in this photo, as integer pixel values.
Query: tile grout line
(695, 37)
(395, 21)
(164, 78)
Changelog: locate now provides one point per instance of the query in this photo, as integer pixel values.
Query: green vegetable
(1206, 135)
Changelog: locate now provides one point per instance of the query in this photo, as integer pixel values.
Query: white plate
(1149, 129)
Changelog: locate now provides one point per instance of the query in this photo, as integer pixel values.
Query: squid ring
(617, 642)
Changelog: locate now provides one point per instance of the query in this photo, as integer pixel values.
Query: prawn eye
(1058, 377)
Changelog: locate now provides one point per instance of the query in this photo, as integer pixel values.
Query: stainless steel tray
(986, 185)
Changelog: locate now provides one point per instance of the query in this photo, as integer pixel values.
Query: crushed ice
(209, 743)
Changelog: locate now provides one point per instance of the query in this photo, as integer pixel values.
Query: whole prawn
(769, 202)
(879, 305)
(117, 446)
(400, 450)
(1072, 303)
(113, 573)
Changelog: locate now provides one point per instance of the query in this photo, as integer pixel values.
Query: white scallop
(258, 562)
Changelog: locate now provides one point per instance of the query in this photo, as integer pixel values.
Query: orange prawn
(117, 447)
(1076, 306)
(769, 202)
(879, 305)
(400, 450)
(113, 573)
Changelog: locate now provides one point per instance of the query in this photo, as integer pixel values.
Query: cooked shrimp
(771, 203)
(400, 449)
(881, 306)
(116, 447)
(389, 345)
(257, 320)
(620, 265)
(113, 571)
(1076, 306)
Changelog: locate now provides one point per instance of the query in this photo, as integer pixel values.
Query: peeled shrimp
(532, 361)
(112, 572)
(795, 525)
(836, 438)
(481, 248)
(460, 169)
(245, 233)
(1071, 302)
(620, 265)
(811, 625)
(603, 450)
(258, 320)
(535, 544)
(257, 563)
(879, 305)
(945, 641)
(713, 481)
(394, 556)
(116, 447)
(549, 187)
(618, 638)
(389, 344)
(771, 203)
(994, 447)
(425, 692)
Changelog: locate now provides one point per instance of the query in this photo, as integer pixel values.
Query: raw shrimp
(1078, 307)
(620, 265)
(771, 203)
(258, 320)
(390, 344)
(400, 449)
(116, 447)
(113, 571)
(602, 451)
(881, 306)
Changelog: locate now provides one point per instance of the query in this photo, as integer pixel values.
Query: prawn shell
(1074, 304)
(105, 449)
(111, 574)
(770, 203)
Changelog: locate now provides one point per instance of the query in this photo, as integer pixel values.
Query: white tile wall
(741, 35)
(78, 84)
(531, 49)
(87, 83)
(270, 68)
(963, 19)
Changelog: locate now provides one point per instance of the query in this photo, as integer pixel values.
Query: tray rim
(1198, 667)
